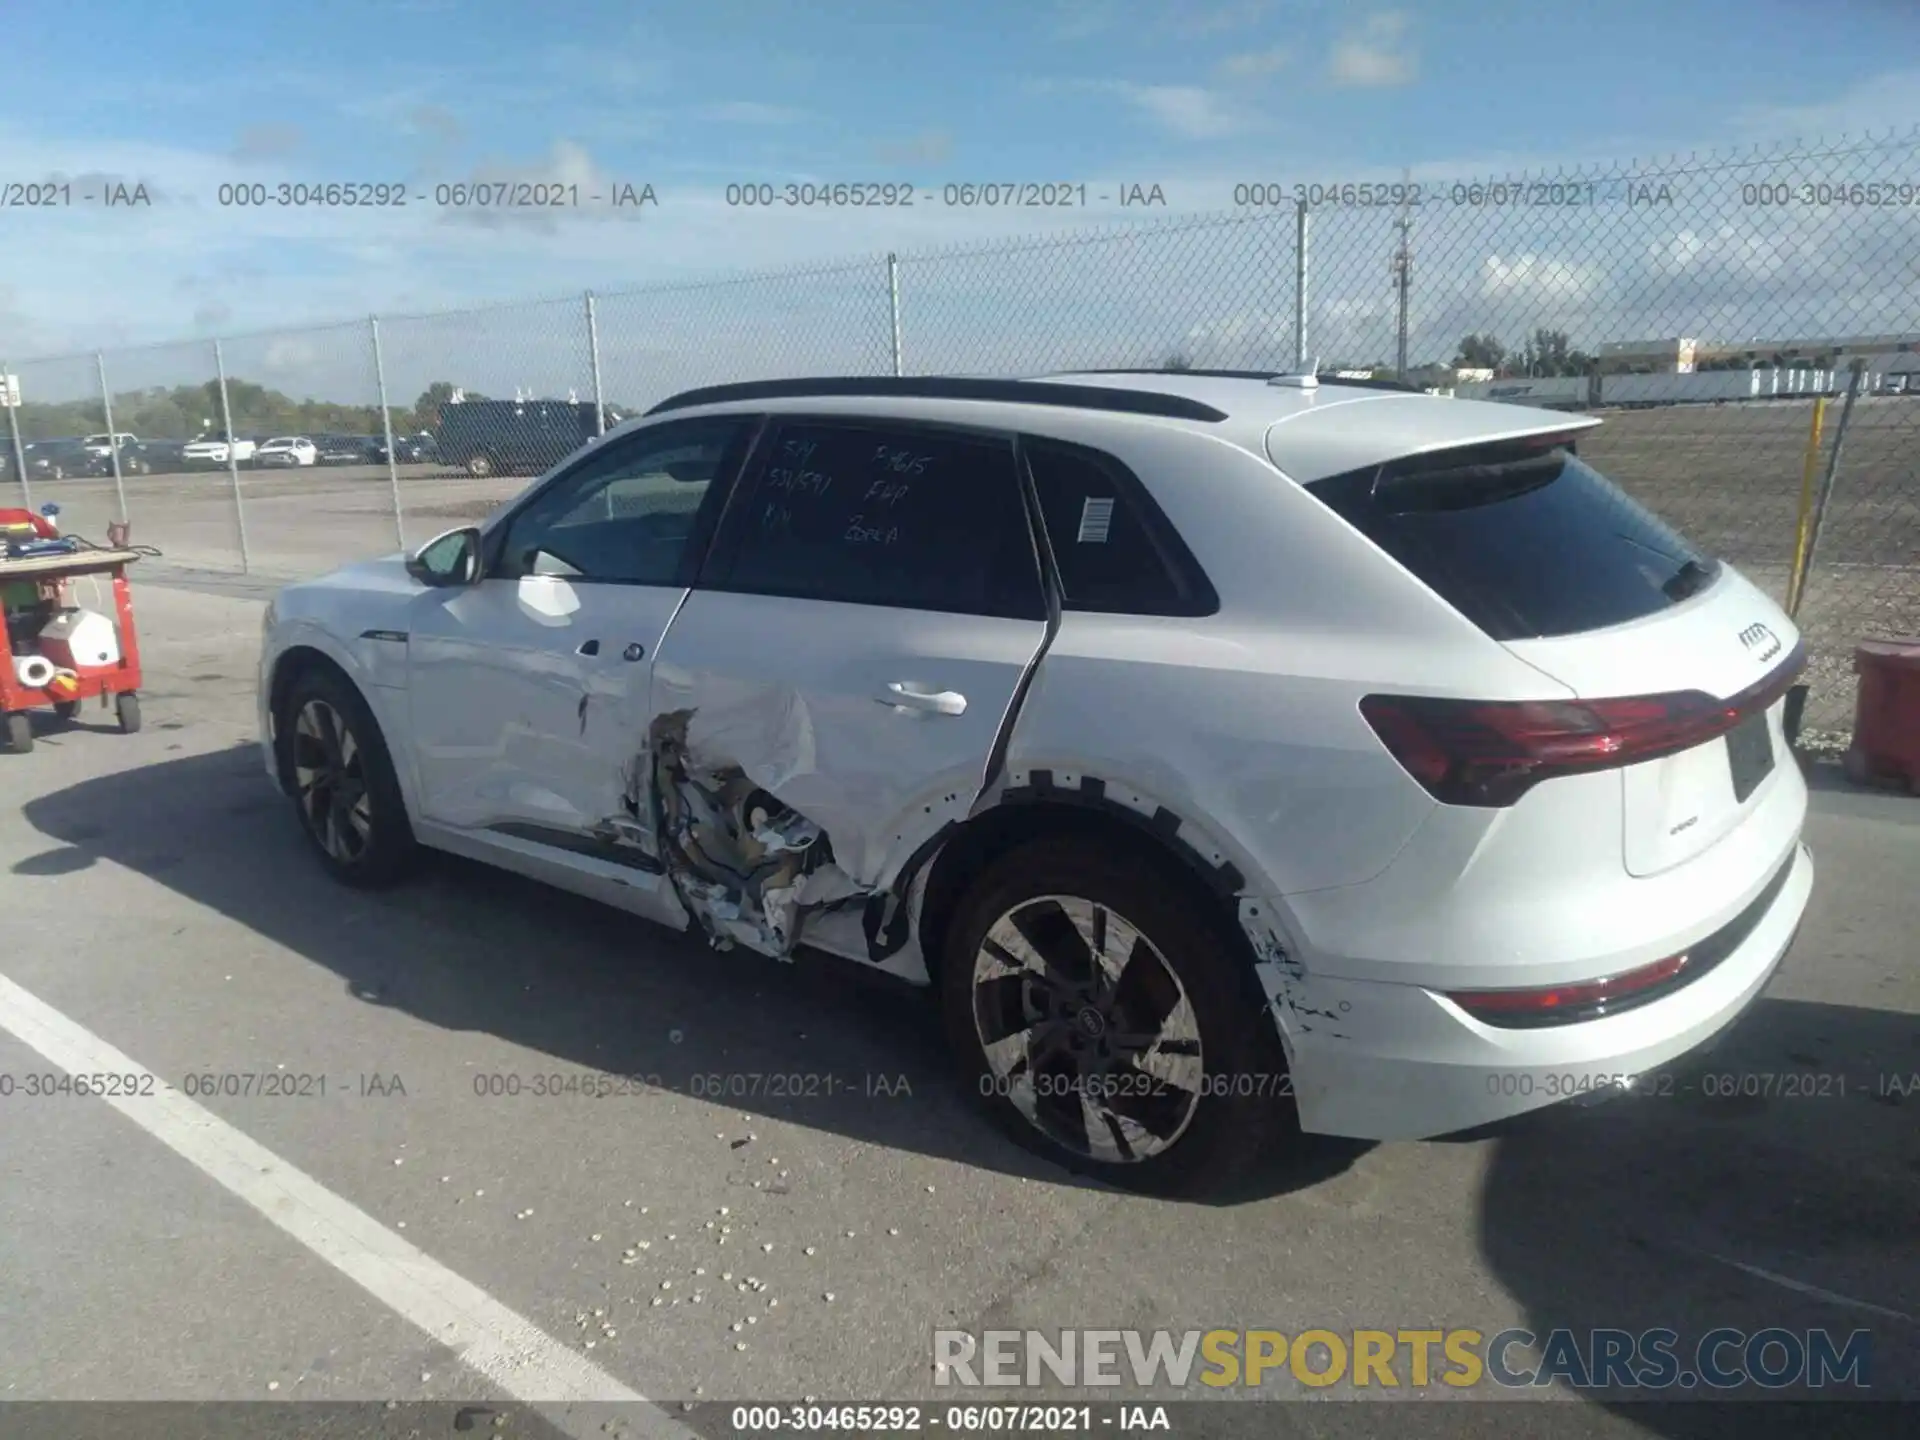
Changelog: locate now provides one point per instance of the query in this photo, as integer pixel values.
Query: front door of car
(845, 662)
(529, 689)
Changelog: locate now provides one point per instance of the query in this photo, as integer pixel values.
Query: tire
(1218, 1096)
(480, 466)
(58, 472)
(66, 709)
(363, 839)
(19, 733)
(126, 706)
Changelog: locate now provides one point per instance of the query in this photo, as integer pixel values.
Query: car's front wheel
(480, 466)
(1108, 1020)
(336, 765)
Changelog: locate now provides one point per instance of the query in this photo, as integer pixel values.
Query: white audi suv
(1235, 755)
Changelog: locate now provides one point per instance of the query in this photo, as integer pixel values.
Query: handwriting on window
(800, 480)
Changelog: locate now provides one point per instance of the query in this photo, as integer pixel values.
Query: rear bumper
(1383, 1061)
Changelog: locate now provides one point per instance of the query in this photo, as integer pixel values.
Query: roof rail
(1322, 376)
(952, 387)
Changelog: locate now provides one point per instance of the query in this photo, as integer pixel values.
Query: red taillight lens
(1590, 996)
(1490, 753)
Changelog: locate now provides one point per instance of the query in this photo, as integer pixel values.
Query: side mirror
(449, 559)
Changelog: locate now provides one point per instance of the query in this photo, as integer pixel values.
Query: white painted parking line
(1801, 1287)
(516, 1355)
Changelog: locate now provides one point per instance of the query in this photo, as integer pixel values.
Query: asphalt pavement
(310, 1180)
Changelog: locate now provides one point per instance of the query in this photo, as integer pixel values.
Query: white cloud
(1188, 110)
(1211, 286)
(1538, 278)
(1372, 56)
(1251, 63)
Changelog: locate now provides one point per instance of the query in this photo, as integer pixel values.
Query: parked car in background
(102, 445)
(60, 459)
(286, 451)
(409, 449)
(506, 437)
(163, 457)
(347, 449)
(216, 447)
(133, 459)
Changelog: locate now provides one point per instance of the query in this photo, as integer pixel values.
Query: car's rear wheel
(480, 466)
(342, 780)
(1108, 1020)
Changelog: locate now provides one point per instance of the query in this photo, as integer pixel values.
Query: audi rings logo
(1762, 641)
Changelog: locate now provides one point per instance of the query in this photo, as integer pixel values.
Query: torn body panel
(806, 754)
(747, 866)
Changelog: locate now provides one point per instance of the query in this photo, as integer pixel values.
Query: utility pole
(1403, 272)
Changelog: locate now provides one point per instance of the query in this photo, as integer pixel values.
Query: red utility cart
(45, 575)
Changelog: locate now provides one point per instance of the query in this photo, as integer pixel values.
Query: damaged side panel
(806, 755)
(747, 866)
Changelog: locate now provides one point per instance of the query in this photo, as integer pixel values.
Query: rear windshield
(1524, 541)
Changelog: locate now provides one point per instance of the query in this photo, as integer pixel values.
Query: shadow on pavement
(460, 946)
(1771, 1183)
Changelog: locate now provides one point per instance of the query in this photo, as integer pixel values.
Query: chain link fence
(1714, 312)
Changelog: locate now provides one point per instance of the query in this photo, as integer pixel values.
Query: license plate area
(1750, 754)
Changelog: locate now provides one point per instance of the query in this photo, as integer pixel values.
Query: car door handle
(941, 702)
(588, 647)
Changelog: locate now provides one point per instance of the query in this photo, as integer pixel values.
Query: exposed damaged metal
(749, 868)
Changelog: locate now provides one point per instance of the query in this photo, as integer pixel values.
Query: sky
(1174, 104)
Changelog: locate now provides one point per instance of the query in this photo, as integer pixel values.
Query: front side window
(624, 514)
(872, 513)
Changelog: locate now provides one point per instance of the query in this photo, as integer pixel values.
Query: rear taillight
(1490, 753)
(1585, 1000)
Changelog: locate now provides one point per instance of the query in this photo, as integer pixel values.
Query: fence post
(893, 305)
(593, 356)
(1833, 469)
(1797, 576)
(113, 441)
(386, 424)
(233, 458)
(13, 426)
(1300, 233)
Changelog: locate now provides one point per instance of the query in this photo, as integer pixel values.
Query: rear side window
(918, 518)
(1115, 551)
(1526, 542)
